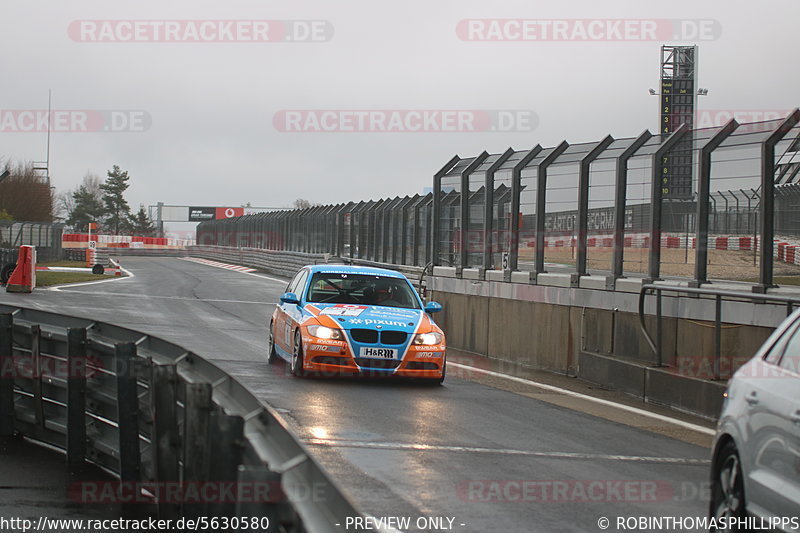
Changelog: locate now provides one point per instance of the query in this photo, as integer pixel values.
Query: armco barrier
(157, 416)
(279, 263)
(286, 264)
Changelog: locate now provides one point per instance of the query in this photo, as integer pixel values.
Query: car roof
(355, 269)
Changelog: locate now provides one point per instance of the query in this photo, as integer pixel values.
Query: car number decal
(344, 310)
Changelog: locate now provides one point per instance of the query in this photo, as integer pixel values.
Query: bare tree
(26, 196)
(66, 200)
(302, 203)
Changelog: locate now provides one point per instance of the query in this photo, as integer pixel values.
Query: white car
(756, 454)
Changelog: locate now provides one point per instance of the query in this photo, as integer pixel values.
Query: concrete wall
(555, 332)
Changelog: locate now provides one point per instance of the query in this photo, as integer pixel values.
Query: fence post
(541, 203)
(704, 192)
(128, 413)
(164, 439)
(7, 372)
(656, 197)
(463, 255)
(620, 201)
(514, 215)
(583, 206)
(488, 209)
(768, 198)
(435, 229)
(76, 395)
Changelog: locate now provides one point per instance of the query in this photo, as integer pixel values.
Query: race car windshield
(361, 289)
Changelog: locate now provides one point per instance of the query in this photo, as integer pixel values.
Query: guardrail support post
(659, 329)
(717, 334)
(7, 372)
(76, 395)
(226, 449)
(257, 481)
(36, 381)
(128, 413)
(164, 440)
(196, 442)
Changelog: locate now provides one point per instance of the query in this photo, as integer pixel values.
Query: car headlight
(324, 332)
(428, 339)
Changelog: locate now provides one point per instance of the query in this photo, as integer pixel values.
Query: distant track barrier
(177, 431)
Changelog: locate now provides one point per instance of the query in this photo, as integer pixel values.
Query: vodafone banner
(229, 212)
(199, 214)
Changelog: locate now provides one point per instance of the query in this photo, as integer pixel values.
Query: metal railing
(719, 295)
(160, 418)
(46, 237)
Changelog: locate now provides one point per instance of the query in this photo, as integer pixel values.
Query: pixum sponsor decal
(592, 30)
(200, 31)
(403, 121)
(74, 121)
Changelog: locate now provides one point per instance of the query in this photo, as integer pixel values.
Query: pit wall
(594, 334)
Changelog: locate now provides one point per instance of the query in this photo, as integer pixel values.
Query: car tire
(297, 356)
(98, 269)
(6, 272)
(272, 355)
(727, 485)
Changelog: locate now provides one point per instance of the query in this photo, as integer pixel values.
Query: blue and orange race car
(337, 319)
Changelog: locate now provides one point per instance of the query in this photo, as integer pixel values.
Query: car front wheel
(297, 356)
(272, 355)
(727, 488)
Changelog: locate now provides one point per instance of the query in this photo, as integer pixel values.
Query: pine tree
(86, 208)
(141, 225)
(117, 207)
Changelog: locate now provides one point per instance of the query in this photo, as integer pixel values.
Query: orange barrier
(23, 279)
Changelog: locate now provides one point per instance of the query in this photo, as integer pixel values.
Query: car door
(785, 411)
(292, 312)
(772, 437)
(279, 326)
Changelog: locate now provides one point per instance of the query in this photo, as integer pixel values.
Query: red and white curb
(217, 264)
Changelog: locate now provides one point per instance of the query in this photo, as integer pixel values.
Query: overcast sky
(207, 111)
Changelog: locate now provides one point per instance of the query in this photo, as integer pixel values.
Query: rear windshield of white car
(361, 289)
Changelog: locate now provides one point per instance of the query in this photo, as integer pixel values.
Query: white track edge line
(58, 288)
(609, 403)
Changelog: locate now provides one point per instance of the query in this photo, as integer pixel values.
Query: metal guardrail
(719, 295)
(280, 263)
(156, 415)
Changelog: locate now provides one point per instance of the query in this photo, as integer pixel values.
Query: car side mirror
(433, 307)
(290, 298)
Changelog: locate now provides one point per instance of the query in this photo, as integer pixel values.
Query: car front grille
(377, 363)
(370, 336)
(393, 337)
(367, 336)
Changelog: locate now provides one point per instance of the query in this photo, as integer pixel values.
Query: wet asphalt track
(489, 459)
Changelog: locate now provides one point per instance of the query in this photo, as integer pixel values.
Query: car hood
(372, 316)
